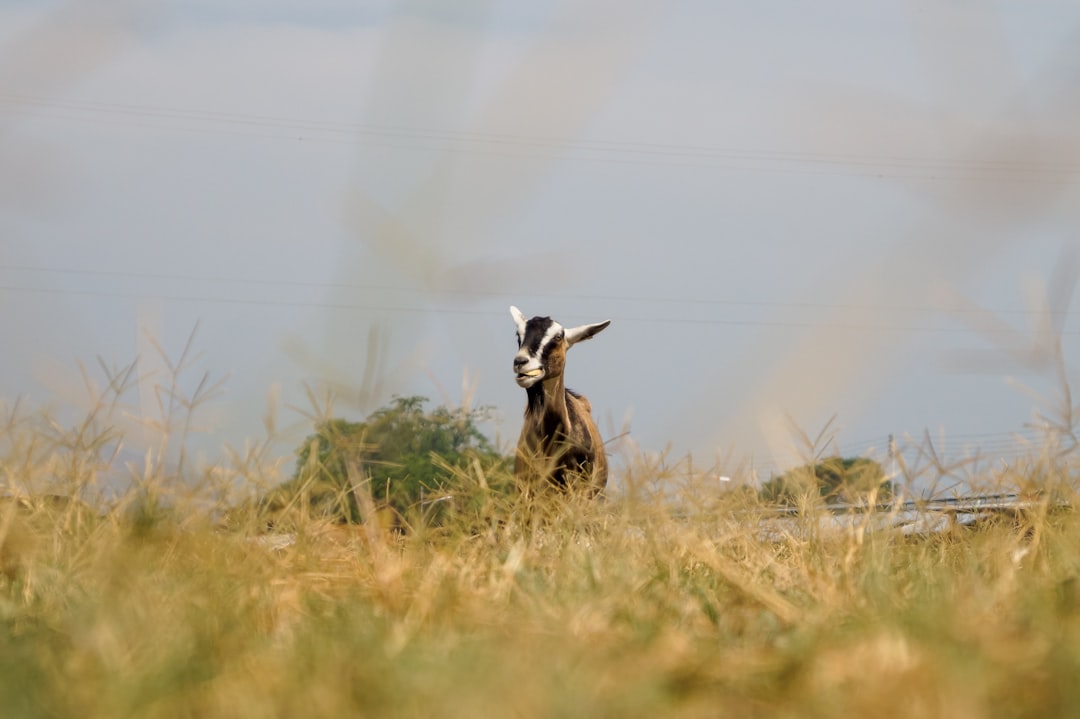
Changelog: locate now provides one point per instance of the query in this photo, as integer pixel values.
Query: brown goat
(559, 442)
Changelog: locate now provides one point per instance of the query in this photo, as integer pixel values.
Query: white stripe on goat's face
(541, 350)
(542, 345)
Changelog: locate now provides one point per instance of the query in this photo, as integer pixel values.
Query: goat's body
(560, 444)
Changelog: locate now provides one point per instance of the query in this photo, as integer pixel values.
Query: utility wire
(490, 313)
(233, 281)
(604, 150)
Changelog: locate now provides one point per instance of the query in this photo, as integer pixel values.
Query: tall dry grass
(166, 598)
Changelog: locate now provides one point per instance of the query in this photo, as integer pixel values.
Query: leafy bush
(837, 480)
(407, 458)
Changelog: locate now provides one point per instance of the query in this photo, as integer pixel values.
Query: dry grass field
(660, 601)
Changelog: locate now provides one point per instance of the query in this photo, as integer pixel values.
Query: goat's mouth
(529, 377)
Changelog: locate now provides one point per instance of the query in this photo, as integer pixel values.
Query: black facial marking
(535, 329)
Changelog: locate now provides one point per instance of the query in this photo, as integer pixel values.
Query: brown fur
(559, 442)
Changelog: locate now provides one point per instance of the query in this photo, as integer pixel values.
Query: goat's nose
(520, 361)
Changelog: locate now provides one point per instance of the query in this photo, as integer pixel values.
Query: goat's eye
(518, 338)
(560, 337)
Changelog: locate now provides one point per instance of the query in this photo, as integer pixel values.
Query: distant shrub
(406, 457)
(837, 480)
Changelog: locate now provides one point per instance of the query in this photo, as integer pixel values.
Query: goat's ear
(519, 319)
(584, 332)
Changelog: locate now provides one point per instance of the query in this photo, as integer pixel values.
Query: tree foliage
(405, 456)
(837, 480)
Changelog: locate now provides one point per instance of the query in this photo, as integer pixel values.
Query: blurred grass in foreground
(611, 610)
(660, 601)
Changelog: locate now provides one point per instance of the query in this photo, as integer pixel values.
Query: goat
(559, 440)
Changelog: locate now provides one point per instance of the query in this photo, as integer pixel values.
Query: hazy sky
(787, 209)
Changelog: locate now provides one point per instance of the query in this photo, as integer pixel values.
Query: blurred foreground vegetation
(667, 599)
(606, 610)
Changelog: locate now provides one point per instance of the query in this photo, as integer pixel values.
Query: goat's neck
(547, 400)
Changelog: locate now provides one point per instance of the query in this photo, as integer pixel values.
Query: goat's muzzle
(528, 372)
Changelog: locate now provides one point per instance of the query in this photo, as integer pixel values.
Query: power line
(604, 150)
(232, 281)
(448, 311)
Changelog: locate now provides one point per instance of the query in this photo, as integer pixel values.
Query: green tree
(837, 480)
(408, 455)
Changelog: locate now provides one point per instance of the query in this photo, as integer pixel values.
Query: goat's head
(542, 345)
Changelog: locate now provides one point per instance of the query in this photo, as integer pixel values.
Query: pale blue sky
(781, 206)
